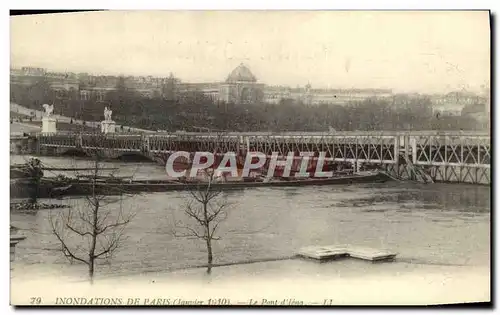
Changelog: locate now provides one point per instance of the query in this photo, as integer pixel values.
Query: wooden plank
(370, 254)
(14, 239)
(323, 252)
(339, 251)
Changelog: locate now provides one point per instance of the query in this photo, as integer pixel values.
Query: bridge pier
(413, 143)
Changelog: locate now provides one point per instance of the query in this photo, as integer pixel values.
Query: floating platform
(326, 253)
(323, 252)
(371, 254)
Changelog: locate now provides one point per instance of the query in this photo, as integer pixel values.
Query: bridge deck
(451, 154)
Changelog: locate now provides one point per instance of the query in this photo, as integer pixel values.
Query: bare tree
(93, 223)
(206, 210)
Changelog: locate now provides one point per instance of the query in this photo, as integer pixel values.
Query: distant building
(208, 89)
(86, 86)
(460, 103)
(62, 81)
(32, 71)
(95, 86)
(458, 97)
(26, 75)
(486, 94)
(241, 86)
(451, 109)
(478, 112)
(313, 96)
(274, 94)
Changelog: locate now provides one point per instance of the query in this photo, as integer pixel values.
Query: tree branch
(65, 249)
(197, 216)
(74, 230)
(214, 229)
(193, 233)
(114, 225)
(109, 249)
(216, 212)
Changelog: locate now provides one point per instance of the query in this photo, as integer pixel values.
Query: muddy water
(427, 224)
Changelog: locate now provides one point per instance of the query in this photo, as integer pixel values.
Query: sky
(412, 51)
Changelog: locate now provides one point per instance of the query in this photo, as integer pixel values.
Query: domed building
(241, 74)
(241, 87)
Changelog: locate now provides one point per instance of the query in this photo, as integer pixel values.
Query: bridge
(444, 156)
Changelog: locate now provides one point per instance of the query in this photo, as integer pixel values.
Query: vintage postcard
(263, 158)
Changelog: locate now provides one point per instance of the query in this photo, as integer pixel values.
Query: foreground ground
(290, 282)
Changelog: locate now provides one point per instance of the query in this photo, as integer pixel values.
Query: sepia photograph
(279, 158)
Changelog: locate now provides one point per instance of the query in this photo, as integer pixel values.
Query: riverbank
(289, 282)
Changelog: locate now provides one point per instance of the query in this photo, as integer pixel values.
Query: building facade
(454, 103)
(241, 86)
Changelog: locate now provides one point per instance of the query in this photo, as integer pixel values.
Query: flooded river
(427, 224)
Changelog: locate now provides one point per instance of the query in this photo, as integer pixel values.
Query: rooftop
(241, 74)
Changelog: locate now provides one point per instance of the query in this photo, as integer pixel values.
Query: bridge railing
(281, 134)
(340, 133)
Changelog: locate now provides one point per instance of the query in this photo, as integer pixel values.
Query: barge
(58, 187)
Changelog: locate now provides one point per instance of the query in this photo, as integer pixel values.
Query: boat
(53, 187)
(24, 170)
(18, 172)
(76, 169)
(106, 179)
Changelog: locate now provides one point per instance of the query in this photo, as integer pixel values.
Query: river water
(426, 224)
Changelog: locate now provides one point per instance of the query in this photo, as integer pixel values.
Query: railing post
(38, 144)
(241, 145)
(247, 140)
(446, 149)
(396, 150)
(407, 155)
(356, 153)
(413, 149)
(145, 143)
(407, 147)
(79, 141)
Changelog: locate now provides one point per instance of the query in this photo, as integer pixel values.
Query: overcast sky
(406, 51)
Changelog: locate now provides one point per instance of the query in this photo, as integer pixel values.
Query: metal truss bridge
(444, 156)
